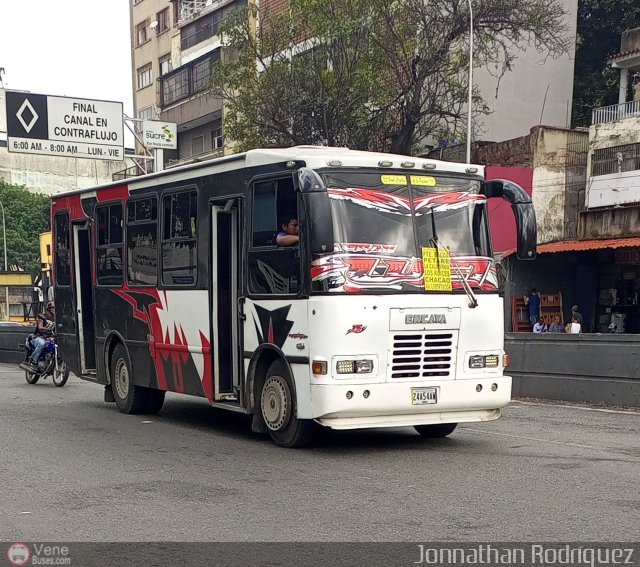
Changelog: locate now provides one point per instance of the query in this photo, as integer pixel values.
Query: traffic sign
(63, 126)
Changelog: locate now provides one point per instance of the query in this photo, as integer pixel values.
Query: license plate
(420, 396)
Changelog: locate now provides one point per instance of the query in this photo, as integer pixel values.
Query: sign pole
(158, 159)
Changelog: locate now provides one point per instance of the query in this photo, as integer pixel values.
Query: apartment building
(175, 44)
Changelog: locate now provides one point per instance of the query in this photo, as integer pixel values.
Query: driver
(43, 332)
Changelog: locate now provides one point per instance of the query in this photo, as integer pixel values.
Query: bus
(385, 313)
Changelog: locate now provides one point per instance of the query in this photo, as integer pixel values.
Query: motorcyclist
(45, 326)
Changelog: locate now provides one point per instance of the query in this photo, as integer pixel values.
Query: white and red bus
(385, 314)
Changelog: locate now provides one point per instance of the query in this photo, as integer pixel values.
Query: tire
(279, 412)
(155, 400)
(129, 398)
(61, 375)
(436, 431)
(31, 377)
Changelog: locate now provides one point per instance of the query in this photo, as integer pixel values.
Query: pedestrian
(534, 306)
(575, 327)
(539, 326)
(576, 314)
(556, 326)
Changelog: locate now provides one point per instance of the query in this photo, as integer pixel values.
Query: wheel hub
(275, 403)
(121, 379)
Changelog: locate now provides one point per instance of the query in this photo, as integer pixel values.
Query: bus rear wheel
(130, 398)
(279, 412)
(437, 430)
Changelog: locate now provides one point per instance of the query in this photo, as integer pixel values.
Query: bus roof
(315, 157)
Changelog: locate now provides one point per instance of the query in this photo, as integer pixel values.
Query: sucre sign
(62, 126)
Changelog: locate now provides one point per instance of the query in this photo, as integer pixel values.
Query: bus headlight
(362, 366)
(484, 361)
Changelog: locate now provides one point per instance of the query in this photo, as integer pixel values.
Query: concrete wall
(11, 337)
(578, 368)
(517, 99)
(610, 223)
(558, 159)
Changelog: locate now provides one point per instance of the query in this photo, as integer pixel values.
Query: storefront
(602, 277)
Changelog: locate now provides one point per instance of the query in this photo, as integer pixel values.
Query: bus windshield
(383, 221)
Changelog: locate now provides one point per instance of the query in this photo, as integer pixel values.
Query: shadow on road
(197, 414)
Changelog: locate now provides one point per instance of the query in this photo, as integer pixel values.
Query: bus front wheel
(437, 430)
(279, 412)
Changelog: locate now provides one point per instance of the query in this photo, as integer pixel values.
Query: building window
(164, 64)
(145, 77)
(617, 159)
(146, 113)
(208, 26)
(163, 21)
(62, 256)
(197, 145)
(142, 33)
(109, 245)
(187, 80)
(142, 242)
(216, 136)
(179, 244)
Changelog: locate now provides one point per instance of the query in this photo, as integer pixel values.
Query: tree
(26, 216)
(600, 25)
(368, 74)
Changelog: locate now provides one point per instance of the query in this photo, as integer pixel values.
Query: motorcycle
(49, 364)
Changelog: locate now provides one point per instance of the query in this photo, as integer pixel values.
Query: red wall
(503, 224)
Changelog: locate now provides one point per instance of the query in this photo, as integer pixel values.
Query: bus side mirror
(318, 222)
(318, 219)
(523, 211)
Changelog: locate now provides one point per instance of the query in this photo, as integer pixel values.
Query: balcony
(615, 112)
(188, 80)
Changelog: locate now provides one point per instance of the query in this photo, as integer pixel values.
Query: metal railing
(617, 159)
(615, 112)
(142, 166)
(209, 154)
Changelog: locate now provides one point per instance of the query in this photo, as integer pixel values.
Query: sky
(75, 48)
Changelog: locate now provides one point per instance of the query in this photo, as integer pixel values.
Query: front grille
(422, 355)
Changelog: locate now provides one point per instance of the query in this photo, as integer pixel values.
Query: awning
(584, 245)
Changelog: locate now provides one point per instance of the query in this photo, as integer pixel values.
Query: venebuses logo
(18, 553)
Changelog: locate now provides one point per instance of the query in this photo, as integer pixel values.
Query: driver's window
(273, 268)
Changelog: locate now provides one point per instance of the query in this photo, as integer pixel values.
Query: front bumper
(389, 404)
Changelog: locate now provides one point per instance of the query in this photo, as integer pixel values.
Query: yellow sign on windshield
(393, 179)
(423, 180)
(437, 269)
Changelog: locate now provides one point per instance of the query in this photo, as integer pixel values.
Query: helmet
(51, 305)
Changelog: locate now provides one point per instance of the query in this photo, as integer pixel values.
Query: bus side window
(142, 242)
(62, 253)
(272, 269)
(179, 243)
(109, 245)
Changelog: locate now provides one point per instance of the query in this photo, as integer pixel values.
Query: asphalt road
(73, 468)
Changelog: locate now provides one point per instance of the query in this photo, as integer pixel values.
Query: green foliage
(600, 25)
(368, 74)
(26, 216)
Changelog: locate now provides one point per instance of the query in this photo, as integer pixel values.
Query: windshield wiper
(473, 302)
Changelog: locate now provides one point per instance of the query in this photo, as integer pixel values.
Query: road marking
(573, 406)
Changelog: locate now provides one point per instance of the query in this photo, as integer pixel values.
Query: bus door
(225, 259)
(84, 297)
